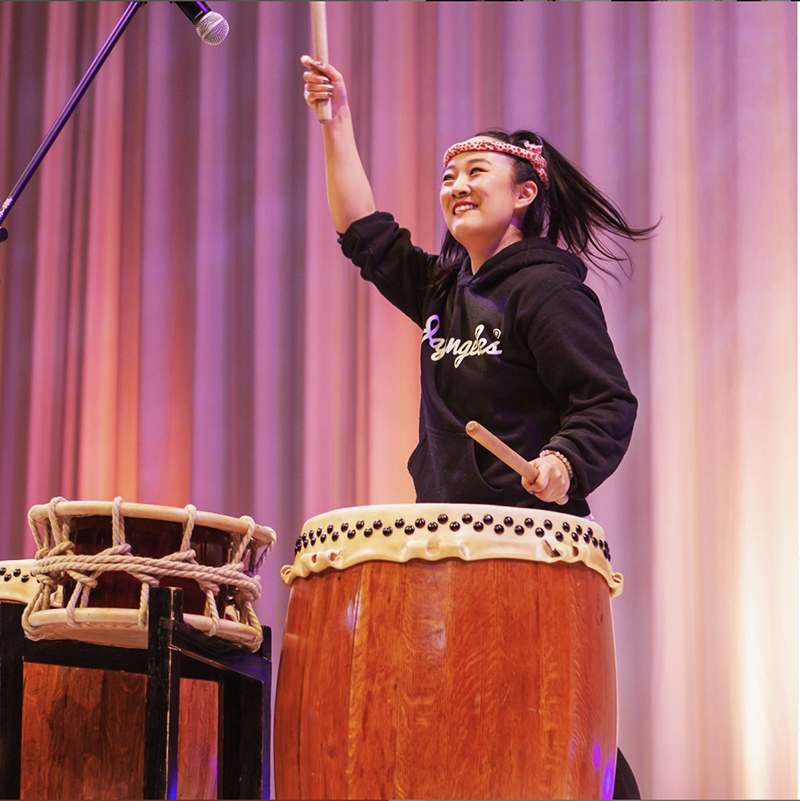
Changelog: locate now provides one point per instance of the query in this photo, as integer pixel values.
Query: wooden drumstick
(502, 451)
(319, 27)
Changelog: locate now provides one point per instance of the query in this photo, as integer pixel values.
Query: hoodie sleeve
(383, 250)
(577, 363)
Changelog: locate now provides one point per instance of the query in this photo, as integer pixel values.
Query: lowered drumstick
(319, 28)
(502, 451)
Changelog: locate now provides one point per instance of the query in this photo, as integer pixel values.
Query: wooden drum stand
(112, 731)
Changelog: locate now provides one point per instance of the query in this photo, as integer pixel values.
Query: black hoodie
(521, 347)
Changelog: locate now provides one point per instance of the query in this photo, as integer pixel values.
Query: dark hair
(572, 213)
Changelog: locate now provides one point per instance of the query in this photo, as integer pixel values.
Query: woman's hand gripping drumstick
(319, 27)
(545, 477)
(349, 192)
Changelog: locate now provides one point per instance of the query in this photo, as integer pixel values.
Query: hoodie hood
(532, 253)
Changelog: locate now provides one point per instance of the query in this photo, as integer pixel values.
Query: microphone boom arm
(66, 112)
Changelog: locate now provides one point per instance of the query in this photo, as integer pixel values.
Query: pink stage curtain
(178, 324)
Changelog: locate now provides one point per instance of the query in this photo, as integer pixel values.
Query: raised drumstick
(502, 451)
(319, 28)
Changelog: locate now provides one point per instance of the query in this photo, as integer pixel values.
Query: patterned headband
(532, 153)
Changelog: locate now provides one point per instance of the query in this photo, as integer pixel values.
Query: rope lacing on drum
(56, 562)
(46, 545)
(243, 602)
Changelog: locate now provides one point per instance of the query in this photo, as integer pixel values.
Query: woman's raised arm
(349, 192)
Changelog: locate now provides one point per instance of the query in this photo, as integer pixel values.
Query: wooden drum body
(448, 663)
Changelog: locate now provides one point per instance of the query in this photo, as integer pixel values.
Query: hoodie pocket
(444, 470)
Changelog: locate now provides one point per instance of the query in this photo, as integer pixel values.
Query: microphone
(211, 27)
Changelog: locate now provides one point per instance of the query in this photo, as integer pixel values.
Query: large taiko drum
(448, 651)
(83, 730)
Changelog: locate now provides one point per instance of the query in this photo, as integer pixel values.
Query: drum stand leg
(245, 683)
(163, 696)
(244, 737)
(11, 671)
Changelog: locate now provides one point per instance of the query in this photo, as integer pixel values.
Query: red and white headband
(530, 152)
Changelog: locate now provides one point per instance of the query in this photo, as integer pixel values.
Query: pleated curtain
(179, 325)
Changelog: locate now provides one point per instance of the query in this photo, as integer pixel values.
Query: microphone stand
(66, 112)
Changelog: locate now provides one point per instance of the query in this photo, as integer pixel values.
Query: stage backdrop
(178, 324)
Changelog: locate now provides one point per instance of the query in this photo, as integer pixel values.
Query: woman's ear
(526, 194)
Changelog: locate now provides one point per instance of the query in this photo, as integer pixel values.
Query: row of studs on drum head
(6, 574)
(310, 538)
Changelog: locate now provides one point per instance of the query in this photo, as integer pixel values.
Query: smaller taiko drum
(83, 729)
(104, 557)
(448, 651)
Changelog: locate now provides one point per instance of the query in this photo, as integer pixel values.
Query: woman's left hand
(553, 482)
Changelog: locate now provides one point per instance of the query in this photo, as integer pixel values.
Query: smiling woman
(512, 336)
(520, 219)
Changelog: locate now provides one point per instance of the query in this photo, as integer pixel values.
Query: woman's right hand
(349, 193)
(322, 83)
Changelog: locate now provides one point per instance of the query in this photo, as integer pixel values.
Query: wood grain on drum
(489, 679)
(83, 735)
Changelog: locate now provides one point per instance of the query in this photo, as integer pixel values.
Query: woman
(512, 337)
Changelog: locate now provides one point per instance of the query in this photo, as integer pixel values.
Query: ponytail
(571, 213)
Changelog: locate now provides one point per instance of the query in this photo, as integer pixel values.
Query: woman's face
(480, 200)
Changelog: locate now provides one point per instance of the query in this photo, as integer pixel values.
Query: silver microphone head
(212, 28)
